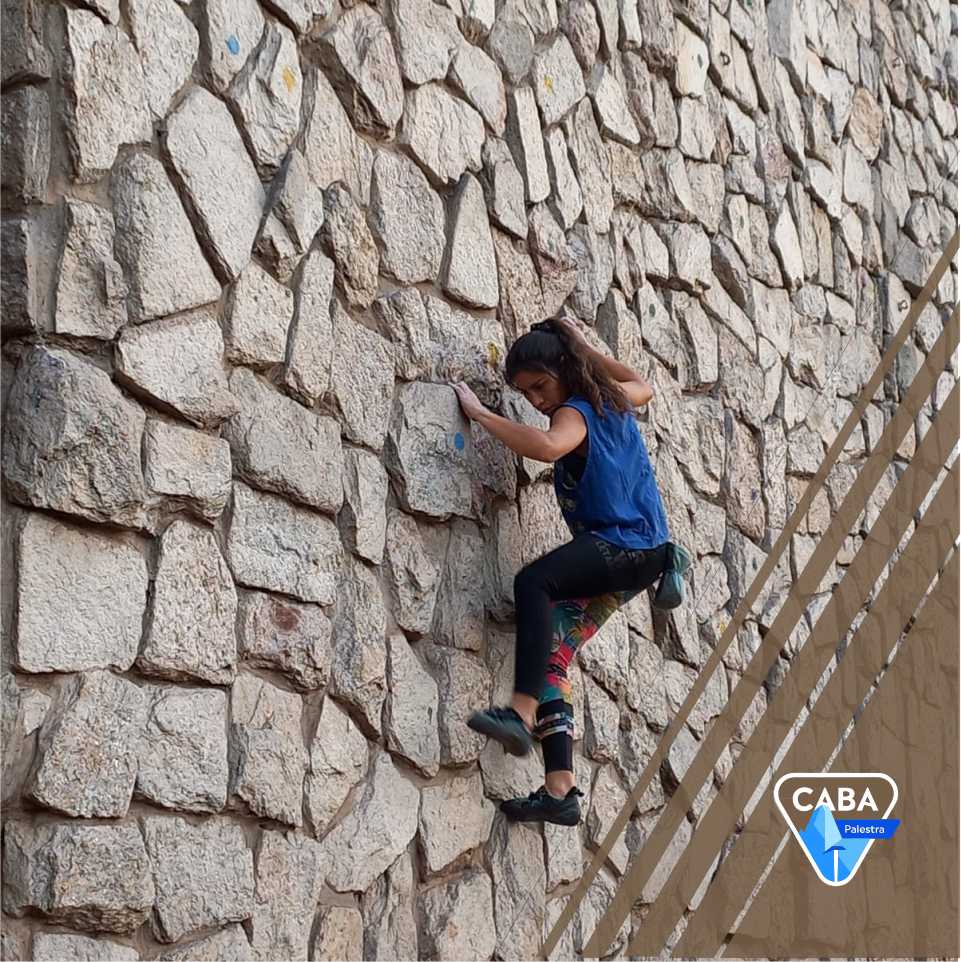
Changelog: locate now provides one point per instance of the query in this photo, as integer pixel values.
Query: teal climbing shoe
(505, 726)
(670, 590)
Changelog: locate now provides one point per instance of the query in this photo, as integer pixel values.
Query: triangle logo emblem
(837, 817)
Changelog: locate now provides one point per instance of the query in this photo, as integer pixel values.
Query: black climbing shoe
(503, 725)
(541, 806)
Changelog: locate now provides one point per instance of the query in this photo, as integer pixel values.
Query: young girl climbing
(609, 498)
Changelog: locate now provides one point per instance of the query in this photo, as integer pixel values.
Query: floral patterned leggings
(575, 622)
(562, 600)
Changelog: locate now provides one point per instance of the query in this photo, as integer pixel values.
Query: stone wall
(258, 567)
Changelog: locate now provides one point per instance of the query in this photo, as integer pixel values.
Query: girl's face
(544, 391)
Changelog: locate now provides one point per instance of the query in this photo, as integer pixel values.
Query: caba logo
(837, 817)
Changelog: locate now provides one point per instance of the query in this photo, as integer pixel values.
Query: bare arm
(638, 390)
(566, 432)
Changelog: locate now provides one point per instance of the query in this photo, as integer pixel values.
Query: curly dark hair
(550, 348)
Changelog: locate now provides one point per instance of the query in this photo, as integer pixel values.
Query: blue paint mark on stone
(459, 441)
(233, 45)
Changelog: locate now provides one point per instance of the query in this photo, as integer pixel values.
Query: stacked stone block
(257, 566)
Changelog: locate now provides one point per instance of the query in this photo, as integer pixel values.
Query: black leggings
(582, 568)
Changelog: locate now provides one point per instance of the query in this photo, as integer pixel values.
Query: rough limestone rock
(91, 290)
(207, 152)
(168, 44)
(554, 258)
(97, 716)
(203, 873)
(427, 37)
(466, 348)
(460, 610)
(231, 29)
(350, 243)
(268, 97)
(79, 948)
(388, 912)
(365, 499)
(99, 61)
(599, 896)
(309, 555)
(301, 15)
(470, 271)
(34, 706)
(278, 445)
(403, 316)
(282, 635)
(95, 878)
(428, 451)
(457, 918)
(610, 98)
(332, 147)
(362, 379)
(414, 573)
(410, 714)
(190, 634)
(310, 344)
(26, 143)
(520, 880)
(26, 57)
(183, 750)
(151, 360)
(476, 76)
(407, 219)
(338, 761)
(359, 672)
(600, 723)
(511, 44)
(59, 567)
(359, 55)
(540, 17)
(454, 818)
(228, 945)
(276, 247)
(466, 683)
(340, 934)
(608, 799)
(258, 317)
(526, 143)
(187, 467)
(431, 108)
(557, 80)
(29, 247)
(505, 193)
(298, 200)
(568, 201)
(73, 440)
(290, 875)
(375, 831)
(592, 165)
(268, 759)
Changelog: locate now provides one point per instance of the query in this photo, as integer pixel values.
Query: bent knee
(526, 578)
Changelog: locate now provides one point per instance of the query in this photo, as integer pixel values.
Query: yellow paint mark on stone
(290, 79)
(549, 84)
(493, 354)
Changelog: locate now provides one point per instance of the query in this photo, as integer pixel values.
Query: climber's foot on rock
(504, 725)
(542, 806)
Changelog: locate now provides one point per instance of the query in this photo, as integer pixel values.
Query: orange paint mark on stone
(290, 79)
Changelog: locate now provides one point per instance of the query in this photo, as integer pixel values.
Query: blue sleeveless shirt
(617, 497)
